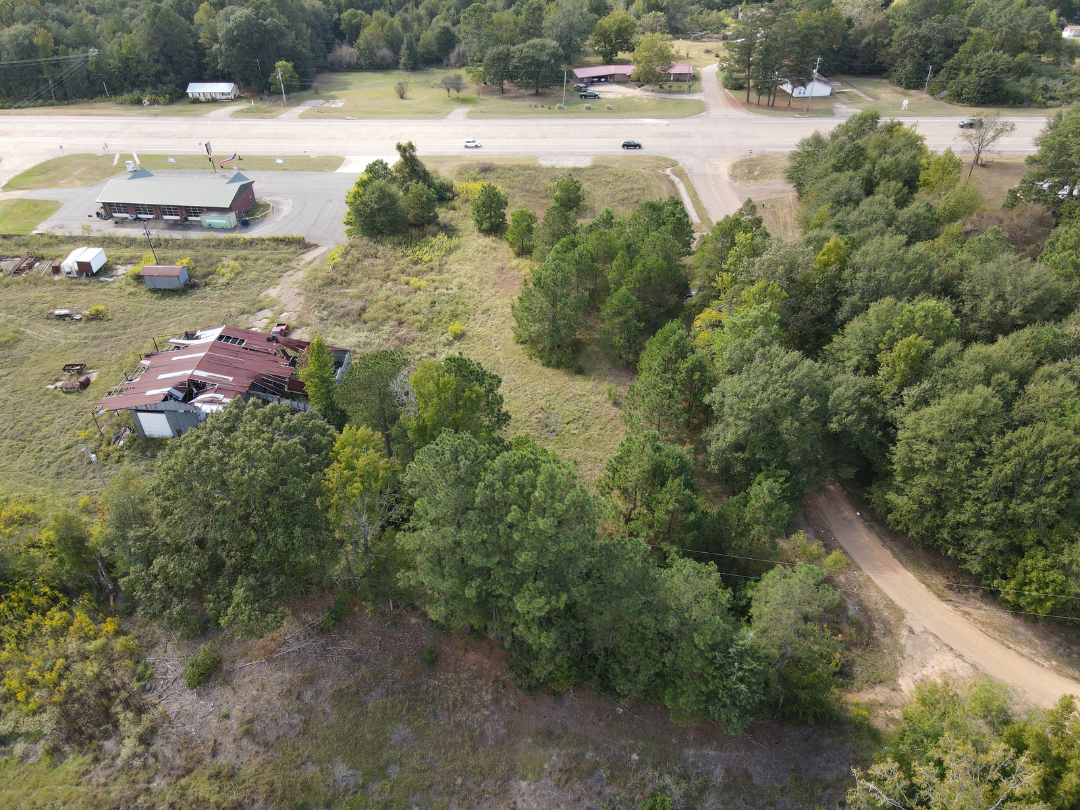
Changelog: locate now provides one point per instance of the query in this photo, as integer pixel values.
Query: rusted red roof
(225, 362)
(161, 270)
(602, 70)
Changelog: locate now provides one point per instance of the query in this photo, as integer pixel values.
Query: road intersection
(704, 144)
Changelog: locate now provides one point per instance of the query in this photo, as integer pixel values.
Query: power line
(43, 60)
(923, 581)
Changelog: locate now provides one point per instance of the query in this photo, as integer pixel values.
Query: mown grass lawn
(22, 216)
(370, 94)
(84, 170)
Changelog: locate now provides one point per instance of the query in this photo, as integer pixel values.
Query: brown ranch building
(681, 72)
(213, 201)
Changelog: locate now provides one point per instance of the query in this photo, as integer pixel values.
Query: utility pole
(93, 460)
(564, 88)
(282, 83)
(106, 90)
(810, 87)
(926, 89)
(146, 231)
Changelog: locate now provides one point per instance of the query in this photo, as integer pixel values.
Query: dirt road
(925, 612)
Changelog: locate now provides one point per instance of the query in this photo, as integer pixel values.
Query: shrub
(657, 802)
(334, 256)
(429, 656)
(205, 663)
(336, 613)
(432, 250)
(456, 330)
(468, 189)
(96, 313)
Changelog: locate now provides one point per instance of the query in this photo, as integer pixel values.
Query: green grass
(370, 94)
(695, 50)
(85, 170)
(819, 108)
(39, 444)
(760, 169)
(998, 174)
(22, 216)
(367, 302)
(888, 98)
(702, 212)
(781, 216)
(179, 108)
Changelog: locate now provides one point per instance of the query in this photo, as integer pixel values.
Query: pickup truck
(280, 330)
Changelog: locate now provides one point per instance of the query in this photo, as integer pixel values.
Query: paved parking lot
(308, 203)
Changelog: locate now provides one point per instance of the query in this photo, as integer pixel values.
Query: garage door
(154, 425)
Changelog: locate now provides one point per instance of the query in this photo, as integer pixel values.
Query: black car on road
(971, 123)
(631, 145)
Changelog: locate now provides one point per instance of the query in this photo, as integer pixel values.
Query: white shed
(84, 261)
(815, 89)
(212, 91)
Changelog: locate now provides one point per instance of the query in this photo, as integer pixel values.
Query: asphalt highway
(704, 144)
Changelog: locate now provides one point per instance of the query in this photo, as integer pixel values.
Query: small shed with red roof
(164, 276)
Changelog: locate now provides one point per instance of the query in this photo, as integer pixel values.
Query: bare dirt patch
(305, 717)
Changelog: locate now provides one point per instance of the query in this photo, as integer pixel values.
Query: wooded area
(977, 52)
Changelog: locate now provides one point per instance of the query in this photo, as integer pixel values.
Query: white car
(471, 144)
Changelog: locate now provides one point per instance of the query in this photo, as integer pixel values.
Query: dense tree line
(973, 747)
(908, 336)
(79, 49)
(979, 52)
(151, 48)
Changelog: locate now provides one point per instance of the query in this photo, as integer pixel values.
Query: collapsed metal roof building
(201, 372)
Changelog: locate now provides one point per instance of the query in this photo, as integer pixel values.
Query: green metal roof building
(142, 195)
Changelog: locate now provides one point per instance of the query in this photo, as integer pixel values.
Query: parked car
(279, 330)
(581, 88)
(472, 144)
(971, 123)
(589, 94)
(631, 145)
